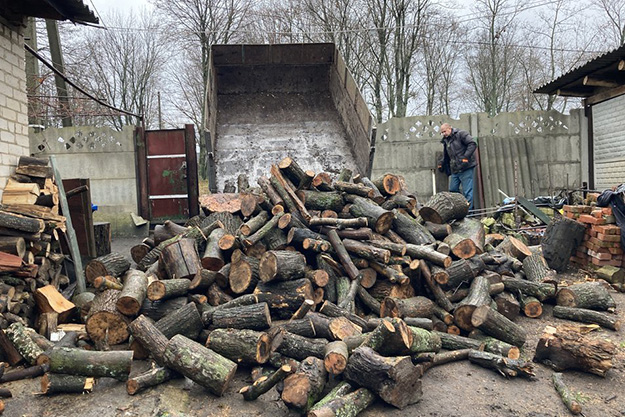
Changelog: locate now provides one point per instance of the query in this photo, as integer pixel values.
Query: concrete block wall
(13, 104)
(104, 156)
(546, 148)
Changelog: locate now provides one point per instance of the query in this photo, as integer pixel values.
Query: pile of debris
(306, 277)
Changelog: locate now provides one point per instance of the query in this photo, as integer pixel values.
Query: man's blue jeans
(464, 178)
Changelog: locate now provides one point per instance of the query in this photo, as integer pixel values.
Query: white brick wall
(13, 105)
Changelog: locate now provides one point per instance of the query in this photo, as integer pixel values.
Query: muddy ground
(453, 390)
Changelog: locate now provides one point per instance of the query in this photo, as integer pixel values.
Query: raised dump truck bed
(267, 102)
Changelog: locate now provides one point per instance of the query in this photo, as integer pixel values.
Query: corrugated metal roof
(74, 10)
(577, 74)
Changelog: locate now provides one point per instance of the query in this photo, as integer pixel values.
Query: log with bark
(303, 388)
(65, 384)
(410, 230)
(589, 295)
(200, 364)
(443, 207)
(300, 347)
(168, 288)
(394, 379)
(241, 345)
(495, 324)
(254, 317)
(104, 322)
(20, 338)
(282, 266)
(133, 293)
(505, 366)
(536, 269)
(113, 264)
(113, 364)
(479, 295)
(560, 240)
(568, 398)
(418, 306)
(583, 315)
(181, 259)
(569, 349)
(348, 405)
(213, 258)
(379, 219)
(265, 383)
(541, 290)
(150, 378)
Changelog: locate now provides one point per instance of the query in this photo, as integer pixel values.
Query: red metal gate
(168, 178)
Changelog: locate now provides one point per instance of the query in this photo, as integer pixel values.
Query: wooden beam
(597, 82)
(621, 65)
(571, 93)
(605, 95)
(71, 233)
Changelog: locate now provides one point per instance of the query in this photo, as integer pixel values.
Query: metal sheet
(165, 142)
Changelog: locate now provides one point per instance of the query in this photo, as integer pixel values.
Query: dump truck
(267, 102)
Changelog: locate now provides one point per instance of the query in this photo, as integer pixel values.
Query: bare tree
(614, 11)
(122, 65)
(491, 62)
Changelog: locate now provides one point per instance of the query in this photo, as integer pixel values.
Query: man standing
(458, 160)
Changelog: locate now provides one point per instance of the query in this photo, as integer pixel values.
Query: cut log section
(443, 207)
(148, 379)
(133, 293)
(104, 322)
(113, 264)
(168, 288)
(181, 259)
(561, 238)
(200, 364)
(378, 218)
(495, 324)
(504, 366)
(536, 269)
(303, 388)
(113, 364)
(241, 345)
(282, 266)
(50, 300)
(567, 349)
(589, 295)
(583, 315)
(479, 295)
(65, 384)
(514, 247)
(394, 379)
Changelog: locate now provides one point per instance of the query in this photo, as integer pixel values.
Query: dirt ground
(453, 390)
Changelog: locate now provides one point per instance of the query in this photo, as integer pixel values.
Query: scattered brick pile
(601, 244)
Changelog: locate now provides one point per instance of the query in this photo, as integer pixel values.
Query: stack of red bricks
(602, 239)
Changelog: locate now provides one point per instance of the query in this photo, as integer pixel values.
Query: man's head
(445, 129)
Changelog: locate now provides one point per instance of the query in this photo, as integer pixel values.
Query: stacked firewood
(30, 229)
(306, 277)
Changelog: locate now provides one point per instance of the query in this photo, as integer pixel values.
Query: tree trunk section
(410, 307)
(199, 364)
(479, 295)
(560, 240)
(571, 350)
(379, 219)
(134, 292)
(471, 229)
(213, 258)
(348, 405)
(148, 379)
(583, 315)
(394, 379)
(300, 347)
(495, 324)
(589, 295)
(65, 384)
(303, 388)
(181, 259)
(542, 291)
(255, 317)
(113, 364)
(240, 345)
(536, 269)
(443, 207)
(411, 230)
(150, 337)
(282, 266)
(104, 322)
(439, 231)
(168, 288)
(113, 264)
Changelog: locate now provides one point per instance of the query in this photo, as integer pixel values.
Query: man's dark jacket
(458, 146)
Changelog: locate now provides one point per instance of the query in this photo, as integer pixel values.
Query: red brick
(608, 229)
(598, 262)
(608, 238)
(615, 251)
(602, 244)
(596, 213)
(607, 211)
(577, 209)
(587, 218)
(593, 233)
(601, 256)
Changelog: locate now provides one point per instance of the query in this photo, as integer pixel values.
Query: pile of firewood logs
(30, 230)
(305, 277)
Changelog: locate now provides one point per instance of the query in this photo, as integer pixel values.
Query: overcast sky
(103, 6)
